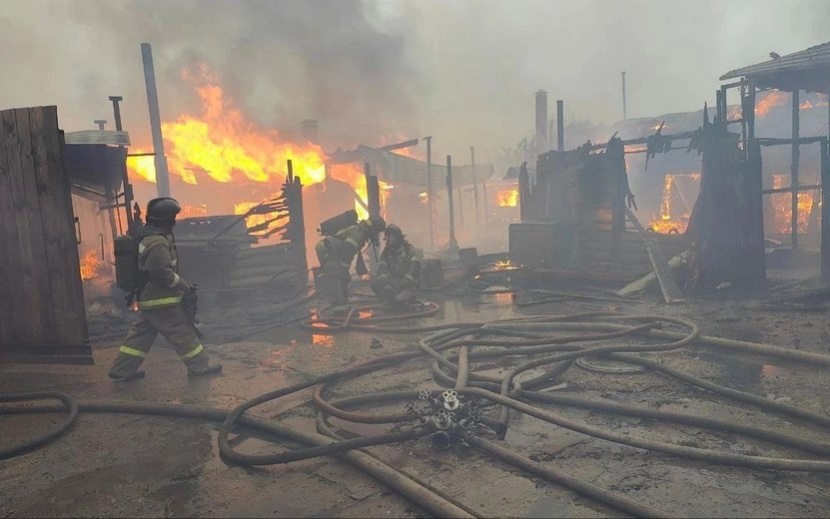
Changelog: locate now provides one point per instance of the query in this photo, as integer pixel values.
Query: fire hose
(475, 392)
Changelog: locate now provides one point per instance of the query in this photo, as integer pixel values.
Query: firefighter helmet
(394, 229)
(163, 210)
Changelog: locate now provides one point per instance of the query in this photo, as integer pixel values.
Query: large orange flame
(782, 206)
(221, 145)
(668, 221)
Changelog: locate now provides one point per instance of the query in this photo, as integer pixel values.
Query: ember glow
(782, 206)
(769, 101)
(507, 197)
(673, 219)
(91, 264)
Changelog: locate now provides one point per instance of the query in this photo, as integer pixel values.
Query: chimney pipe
(541, 121)
(625, 106)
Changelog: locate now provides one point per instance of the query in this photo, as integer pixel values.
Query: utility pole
(625, 106)
(453, 245)
(475, 184)
(430, 194)
(162, 176)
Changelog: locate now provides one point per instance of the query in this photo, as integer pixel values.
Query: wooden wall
(41, 298)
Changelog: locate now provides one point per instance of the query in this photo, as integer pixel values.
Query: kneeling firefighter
(399, 269)
(147, 267)
(344, 238)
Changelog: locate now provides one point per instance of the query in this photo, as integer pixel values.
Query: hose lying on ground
(453, 351)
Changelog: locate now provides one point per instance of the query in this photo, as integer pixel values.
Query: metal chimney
(541, 121)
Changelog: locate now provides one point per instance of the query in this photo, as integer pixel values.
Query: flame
(193, 211)
(507, 197)
(91, 264)
(769, 101)
(782, 208)
(668, 222)
(221, 145)
(267, 222)
(424, 197)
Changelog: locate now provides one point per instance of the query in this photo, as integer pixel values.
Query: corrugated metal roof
(814, 58)
(112, 138)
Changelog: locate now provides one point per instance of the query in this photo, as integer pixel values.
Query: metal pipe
(625, 107)
(541, 121)
(453, 245)
(162, 175)
(430, 194)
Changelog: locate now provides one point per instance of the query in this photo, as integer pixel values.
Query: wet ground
(123, 465)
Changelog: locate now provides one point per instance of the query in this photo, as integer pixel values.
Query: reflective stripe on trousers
(131, 351)
(192, 353)
(160, 303)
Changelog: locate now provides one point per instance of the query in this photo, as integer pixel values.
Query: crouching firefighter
(398, 271)
(146, 266)
(344, 239)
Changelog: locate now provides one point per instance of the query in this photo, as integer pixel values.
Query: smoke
(463, 71)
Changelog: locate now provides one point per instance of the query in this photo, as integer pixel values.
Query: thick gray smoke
(463, 71)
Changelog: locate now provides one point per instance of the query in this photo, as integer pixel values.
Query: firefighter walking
(160, 290)
(337, 250)
(398, 271)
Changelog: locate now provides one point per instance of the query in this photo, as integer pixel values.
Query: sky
(463, 71)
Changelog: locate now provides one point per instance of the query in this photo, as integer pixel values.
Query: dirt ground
(125, 465)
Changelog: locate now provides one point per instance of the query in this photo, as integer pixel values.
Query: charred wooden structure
(804, 71)
(217, 251)
(573, 215)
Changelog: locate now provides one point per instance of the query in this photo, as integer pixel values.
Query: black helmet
(377, 223)
(162, 210)
(394, 229)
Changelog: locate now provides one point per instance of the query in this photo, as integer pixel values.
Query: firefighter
(159, 294)
(399, 269)
(336, 252)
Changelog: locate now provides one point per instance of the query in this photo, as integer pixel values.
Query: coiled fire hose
(472, 342)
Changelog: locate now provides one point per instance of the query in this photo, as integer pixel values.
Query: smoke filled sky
(463, 71)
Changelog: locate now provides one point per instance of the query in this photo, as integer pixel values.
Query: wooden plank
(59, 233)
(27, 319)
(671, 292)
(41, 271)
(9, 279)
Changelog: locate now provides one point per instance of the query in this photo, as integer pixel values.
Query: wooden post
(825, 212)
(162, 176)
(372, 191)
(749, 116)
(453, 245)
(460, 207)
(743, 120)
(430, 194)
(475, 184)
(794, 172)
(293, 190)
